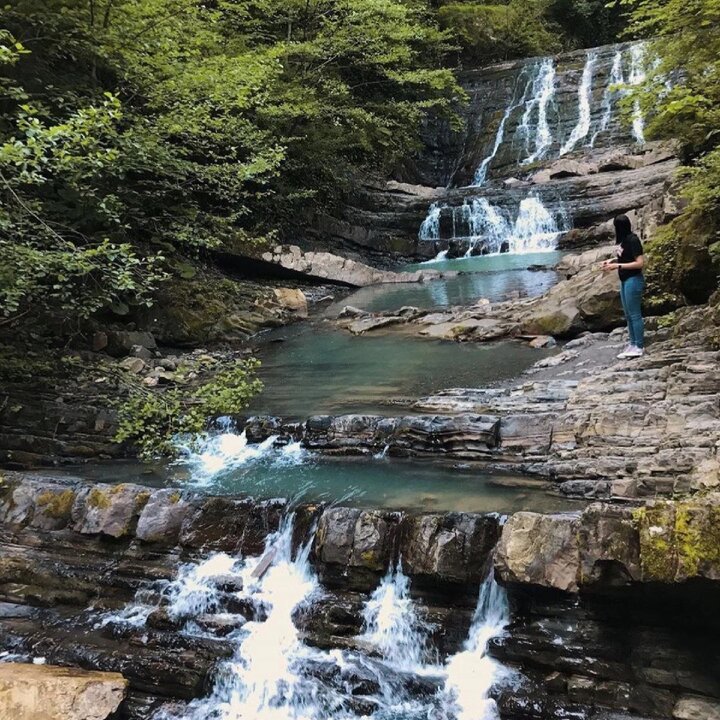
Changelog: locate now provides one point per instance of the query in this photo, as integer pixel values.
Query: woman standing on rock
(629, 265)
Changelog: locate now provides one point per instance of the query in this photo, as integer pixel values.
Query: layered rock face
(70, 545)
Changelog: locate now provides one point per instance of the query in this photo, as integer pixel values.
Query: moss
(56, 505)
(98, 499)
(141, 500)
(175, 498)
(678, 540)
(658, 558)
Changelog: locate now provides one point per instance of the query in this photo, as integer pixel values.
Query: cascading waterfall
(482, 171)
(637, 77)
(612, 91)
(225, 450)
(543, 91)
(430, 228)
(471, 673)
(486, 223)
(582, 128)
(392, 625)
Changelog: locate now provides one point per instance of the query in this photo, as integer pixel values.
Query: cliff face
(548, 149)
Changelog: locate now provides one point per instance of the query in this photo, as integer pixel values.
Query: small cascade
(392, 625)
(226, 450)
(482, 171)
(611, 94)
(489, 229)
(430, 228)
(539, 140)
(471, 673)
(582, 128)
(637, 77)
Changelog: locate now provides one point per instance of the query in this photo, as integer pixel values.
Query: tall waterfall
(538, 139)
(612, 92)
(637, 77)
(481, 174)
(582, 128)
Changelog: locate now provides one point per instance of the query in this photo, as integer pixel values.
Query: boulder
(162, 517)
(47, 692)
(694, 707)
(121, 342)
(111, 510)
(293, 300)
(540, 550)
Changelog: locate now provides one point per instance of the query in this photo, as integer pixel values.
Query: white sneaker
(625, 352)
(634, 352)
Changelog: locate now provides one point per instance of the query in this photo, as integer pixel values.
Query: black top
(629, 250)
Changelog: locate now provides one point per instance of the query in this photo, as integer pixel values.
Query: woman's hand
(609, 265)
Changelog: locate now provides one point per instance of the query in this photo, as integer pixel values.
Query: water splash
(612, 92)
(224, 451)
(535, 228)
(486, 223)
(636, 78)
(543, 91)
(582, 128)
(430, 228)
(392, 625)
(482, 171)
(471, 673)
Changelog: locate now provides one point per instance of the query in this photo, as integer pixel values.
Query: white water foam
(226, 450)
(471, 673)
(543, 91)
(637, 77)
(582, 128)
(612, 92)
(392, 625)
(430, 228)
(482, 171)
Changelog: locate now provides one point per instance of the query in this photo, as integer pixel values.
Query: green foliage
(682, 101)
(152, 419)
(132, 130)
(500, 31)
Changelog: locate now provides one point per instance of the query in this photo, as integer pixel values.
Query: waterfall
(482, 171)
(609, 96)
(637, 77)
(543, 91)
(392, 625)
(471, 673)
(430, 228)
(486, 223)
(582, 128)
(534, 229)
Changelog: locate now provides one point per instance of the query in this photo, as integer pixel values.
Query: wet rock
(161, 619)
(349, 311)
(447, 548)
(696, 708)
(367, 324)
(141, 352)
(162, 517)
(543, 341)
(220, 624)
(121, 342)
(228, 583)
(46, 692)
(108, 509)
(293, 300)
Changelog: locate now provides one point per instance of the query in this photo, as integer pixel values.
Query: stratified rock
(47, 692)
(162, 517)
(540, 550)
(108, 509)
(366, 324)
(452, 547)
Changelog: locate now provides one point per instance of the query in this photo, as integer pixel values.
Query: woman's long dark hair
(623, 228)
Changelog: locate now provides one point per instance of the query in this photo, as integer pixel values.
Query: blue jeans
(631, 292)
